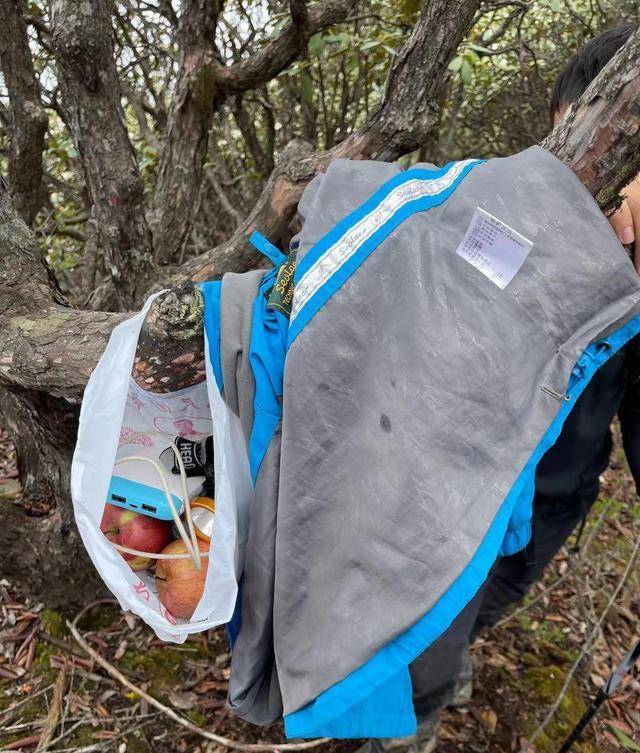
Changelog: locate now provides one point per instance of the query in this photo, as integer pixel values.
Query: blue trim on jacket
(211, 319)
(302, 317)
(271, 331)
(267, 352)
(266, 248)
(351, 707)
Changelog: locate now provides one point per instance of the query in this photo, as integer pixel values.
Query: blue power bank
(148, 500)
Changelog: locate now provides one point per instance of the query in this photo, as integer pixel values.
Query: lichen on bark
(170, 353)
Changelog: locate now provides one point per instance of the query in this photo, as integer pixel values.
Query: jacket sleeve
(629, 411)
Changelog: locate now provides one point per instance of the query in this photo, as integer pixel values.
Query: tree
(49, 347)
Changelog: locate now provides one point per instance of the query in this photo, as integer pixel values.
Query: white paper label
(494, 248)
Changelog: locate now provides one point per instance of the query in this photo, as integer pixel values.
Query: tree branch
(410, 114)
(407, 119)
(44, 344)
(278, 54)
(28, 117)
(599, 137)
(249, 129)
(203, 86)
(83, 42)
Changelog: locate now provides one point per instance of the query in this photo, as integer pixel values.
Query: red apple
(180, 585)
(135, 531)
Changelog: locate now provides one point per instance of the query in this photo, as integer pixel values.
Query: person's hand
(626, 220)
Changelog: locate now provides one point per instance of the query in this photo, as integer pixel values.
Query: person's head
(584, 66)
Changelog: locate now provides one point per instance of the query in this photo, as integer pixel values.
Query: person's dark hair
(586, 64)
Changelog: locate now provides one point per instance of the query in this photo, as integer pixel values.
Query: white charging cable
(190, 539)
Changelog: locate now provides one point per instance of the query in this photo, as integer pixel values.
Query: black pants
(435, 672)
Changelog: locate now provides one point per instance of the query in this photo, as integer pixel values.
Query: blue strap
(267, 351)
(211, 295)
(266, 248)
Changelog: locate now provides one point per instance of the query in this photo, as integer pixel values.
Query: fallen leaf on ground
(489, 719)
(185, 700)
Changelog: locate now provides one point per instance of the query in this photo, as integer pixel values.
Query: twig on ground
(60, 643)
(603, 514)
(92, 605)
(587, 644)
(79, 654)
(51, 722)
(28, 699)
(70, 730)
(26, 643)
(105, 744)
(526, 607)
(25, 742)
(179, 719)
(68, 696)
(140, 722)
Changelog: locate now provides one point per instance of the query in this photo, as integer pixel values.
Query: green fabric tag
(280, 296)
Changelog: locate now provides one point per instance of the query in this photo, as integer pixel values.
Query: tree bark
(190, 119)
(28, 116)
(176, 320)
(83, 43)
(599, 137)
(47, 353)
(42, 554)
(204, 84)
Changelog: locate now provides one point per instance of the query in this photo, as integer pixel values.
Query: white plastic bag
(110, 412)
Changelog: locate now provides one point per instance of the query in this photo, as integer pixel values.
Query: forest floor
(51, 689)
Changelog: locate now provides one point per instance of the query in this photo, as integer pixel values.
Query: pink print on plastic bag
(167, 615)
(126, 432)
(189, 428)
(141, 590)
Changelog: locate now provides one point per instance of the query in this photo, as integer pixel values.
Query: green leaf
(480, 48)
(471, 57)
(455, 64)
(503, 65)
(626, 742)
(342, 38)
(306, 87)
(466, 72)
(370, 44)
(316, 44)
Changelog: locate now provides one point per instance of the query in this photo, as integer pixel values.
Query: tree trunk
(29, 118)
(40, 392)
(190, 119)
(83, 42)
(42, 553)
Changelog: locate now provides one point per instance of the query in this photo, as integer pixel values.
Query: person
(567, 478)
